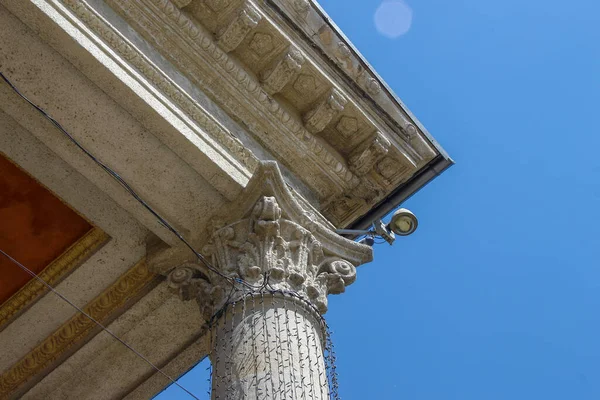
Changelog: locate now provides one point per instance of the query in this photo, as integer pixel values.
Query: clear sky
(497, 295)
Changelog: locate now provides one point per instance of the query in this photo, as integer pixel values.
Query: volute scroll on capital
(268, 241)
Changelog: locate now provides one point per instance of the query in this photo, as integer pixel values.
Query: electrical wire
(133, 193)
(166, 224)
(161, 220)
(104, 328)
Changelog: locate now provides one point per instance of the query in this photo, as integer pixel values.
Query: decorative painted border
(129, 286)
(54, 272)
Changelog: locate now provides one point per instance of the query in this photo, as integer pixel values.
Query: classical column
(275, 262)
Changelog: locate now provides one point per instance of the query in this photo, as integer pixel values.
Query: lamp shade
(403, 222)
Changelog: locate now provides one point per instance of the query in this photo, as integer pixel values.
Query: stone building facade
(252, 126)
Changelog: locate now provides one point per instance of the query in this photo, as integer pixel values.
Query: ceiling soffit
(42, 233)
(74, 333)
(324, 128)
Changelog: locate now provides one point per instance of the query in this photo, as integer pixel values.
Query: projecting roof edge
(367, 83)
(422, 176)
(403, 192)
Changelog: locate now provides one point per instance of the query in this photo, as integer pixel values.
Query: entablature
(303, 108)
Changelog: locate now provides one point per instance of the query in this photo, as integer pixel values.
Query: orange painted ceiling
(35, 227)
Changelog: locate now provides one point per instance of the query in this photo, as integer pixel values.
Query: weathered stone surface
(282, 71)
(232, 35)
(270, 240)
(182, 3)
(158, 326)
(313, 82)
(321, 114)
(269, 347)
(364, 157)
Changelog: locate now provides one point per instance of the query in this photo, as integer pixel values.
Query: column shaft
(269, 347)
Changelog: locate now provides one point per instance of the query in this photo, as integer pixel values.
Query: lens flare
(393, 18)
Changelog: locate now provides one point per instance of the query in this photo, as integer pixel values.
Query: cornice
(195, 52)
(309, 19)
(73, 332)
(53, 273)
(298, 132)
(163, 82)
(320, 143)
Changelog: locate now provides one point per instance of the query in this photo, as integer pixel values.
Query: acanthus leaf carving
(189, 283)
(266, 249)
(274, 245)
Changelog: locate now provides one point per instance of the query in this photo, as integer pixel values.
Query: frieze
(52, 274)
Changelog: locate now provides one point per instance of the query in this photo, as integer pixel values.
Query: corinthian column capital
(268, 242)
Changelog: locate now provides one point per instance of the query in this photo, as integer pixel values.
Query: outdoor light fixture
(403, 223)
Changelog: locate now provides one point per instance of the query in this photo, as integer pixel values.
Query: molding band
(54, 272)
(103, 308)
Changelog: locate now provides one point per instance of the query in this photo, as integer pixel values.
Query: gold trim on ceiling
(56, 271)
(128, 287)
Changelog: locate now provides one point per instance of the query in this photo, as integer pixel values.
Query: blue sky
(497, 295)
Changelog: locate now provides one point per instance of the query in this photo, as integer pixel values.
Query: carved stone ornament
(182, 3)
(217, 5)
(301, 6)
(364, 157)
(273, 244)
(317, 118)
(347, 126)
(230, 37)
(282, 71)
(261, 44)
